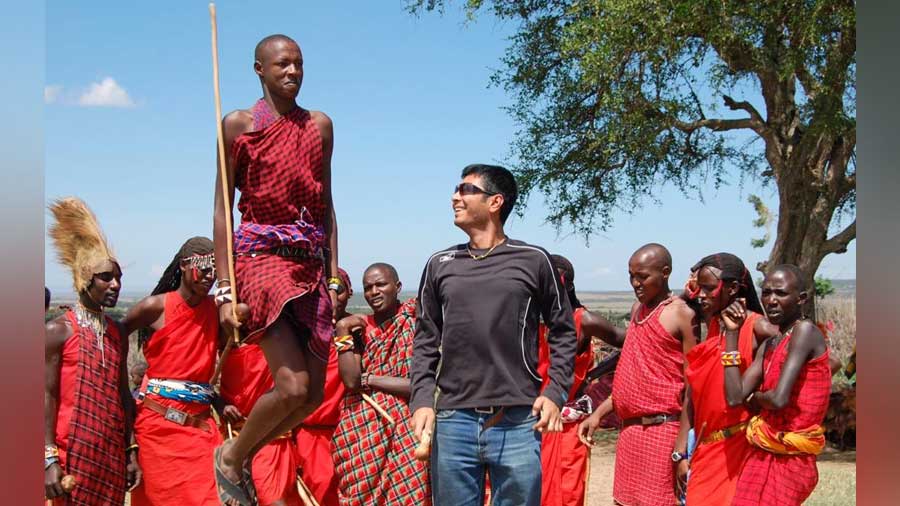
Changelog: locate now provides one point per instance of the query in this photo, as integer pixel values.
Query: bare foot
(233, 471)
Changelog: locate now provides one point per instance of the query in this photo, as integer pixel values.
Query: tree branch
(838, 243)
(717, 125)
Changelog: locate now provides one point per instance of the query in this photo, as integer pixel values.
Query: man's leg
(513, 452)
(298, 380)
(457, 469)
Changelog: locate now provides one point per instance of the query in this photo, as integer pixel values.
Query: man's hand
(422, 420)
(334, 305)
(349, 324)
(549, 412)
(227, 319)
(681, 472)
(733, 316)
(52, 481)
(133, 474)
(588, 427)
(231, 414)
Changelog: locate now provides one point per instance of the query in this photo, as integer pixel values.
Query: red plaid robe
(95, 441)
(373, 459)
(278, 170)
(648, 381)
(786, 480)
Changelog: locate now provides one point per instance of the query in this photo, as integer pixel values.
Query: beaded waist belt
(286, 252)
(180, 390)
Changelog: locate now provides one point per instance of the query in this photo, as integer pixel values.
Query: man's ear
(803, 297)
(497, 203)
(733, 288)
(257, 67)
(666, 271)
(399, 285)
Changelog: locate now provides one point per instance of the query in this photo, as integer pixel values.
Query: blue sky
(130, 128)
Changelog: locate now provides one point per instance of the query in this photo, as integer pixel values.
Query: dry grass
(841, 311)
(837, 481)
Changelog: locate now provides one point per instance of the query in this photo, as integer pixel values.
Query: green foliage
(763, 220)
(824, 287)
(615, 98)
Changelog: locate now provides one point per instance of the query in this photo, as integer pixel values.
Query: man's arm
(557, 315)
(133, 469)
(326, 132)
(595, 325)
(148, 312)
(807, 342)
(234, 124)
(56, 334)
(426, 343)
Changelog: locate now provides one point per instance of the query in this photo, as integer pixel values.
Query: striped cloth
(374, 459)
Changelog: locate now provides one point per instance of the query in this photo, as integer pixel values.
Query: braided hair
(563, 264)
(171, 277)
(733, 269)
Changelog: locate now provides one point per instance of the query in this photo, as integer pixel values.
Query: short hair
(46, 298)
(385, 267)
(793, 269)
(660, 251)
(268, 40)
(496, 179)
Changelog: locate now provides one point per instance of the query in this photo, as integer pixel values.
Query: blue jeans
(462, 449)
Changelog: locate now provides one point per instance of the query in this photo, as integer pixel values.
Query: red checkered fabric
(783, 480)
(373, 459)
(96, 438)
(278, 170)
(648, 381)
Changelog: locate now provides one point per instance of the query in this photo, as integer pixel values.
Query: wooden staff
(223, 175)
(230, 432)
(587, 476)
(378, 408)
(423, 449)
(305, 495)
(68, 484)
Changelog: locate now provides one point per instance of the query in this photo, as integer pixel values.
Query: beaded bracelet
(731, 358)
(343, 343)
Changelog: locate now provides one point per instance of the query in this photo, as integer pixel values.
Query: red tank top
(649, 378)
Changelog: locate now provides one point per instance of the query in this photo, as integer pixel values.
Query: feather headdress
(80, 243)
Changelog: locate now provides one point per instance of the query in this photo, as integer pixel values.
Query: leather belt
(657, 419)
(284, 251)
(177, 416)
(495, 411)
(725, 433)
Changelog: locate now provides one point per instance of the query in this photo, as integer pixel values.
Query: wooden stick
(230, 432)
(423, 449)
(378, 408)
(587, 476)
(226, 200)
(305, 494)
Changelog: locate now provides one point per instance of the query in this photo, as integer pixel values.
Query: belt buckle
(485, 411)
(173, 415)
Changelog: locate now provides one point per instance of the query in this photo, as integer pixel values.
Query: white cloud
(51, 93)
(106, 93)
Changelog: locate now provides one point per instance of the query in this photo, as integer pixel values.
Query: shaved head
(386, 269)
(653, 254)
(793, 271)
(267, 41)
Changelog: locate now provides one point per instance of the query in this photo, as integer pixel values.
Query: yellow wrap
(810, 441)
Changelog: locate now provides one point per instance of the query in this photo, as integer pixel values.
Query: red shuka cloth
(246, 377)
(649, 380)
(278, 170)
(374, 460)
(715, 466)
(90, 423)
(785, 480)
(175, 458)
(313, 438)
(563, 456)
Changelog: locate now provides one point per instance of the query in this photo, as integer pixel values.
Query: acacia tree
(616, 97)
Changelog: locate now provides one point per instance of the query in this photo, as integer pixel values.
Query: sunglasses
(471, 189)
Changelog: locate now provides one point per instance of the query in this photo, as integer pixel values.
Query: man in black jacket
(479, 307)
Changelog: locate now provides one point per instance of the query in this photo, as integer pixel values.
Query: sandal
(228, 490)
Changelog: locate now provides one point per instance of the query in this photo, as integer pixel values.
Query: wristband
(50, 461)
(132, 447)
(343, 343)
(51, 451)
(731, 358)
(223, 295)
(364, 380)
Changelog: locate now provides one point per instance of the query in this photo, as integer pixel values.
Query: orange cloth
(246, 377)
(175, 458)
(715, 467)
(563, 456)
(313, 438)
